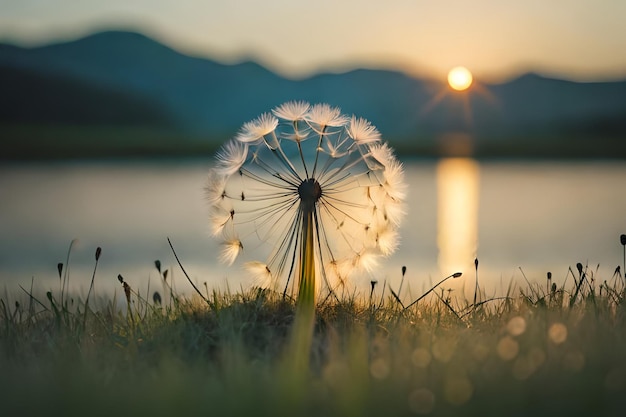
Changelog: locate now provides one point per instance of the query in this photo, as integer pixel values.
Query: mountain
(156, 86)
(189, 88)
(30, 97)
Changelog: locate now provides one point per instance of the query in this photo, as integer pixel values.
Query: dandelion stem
(306, 293)
(302, 336)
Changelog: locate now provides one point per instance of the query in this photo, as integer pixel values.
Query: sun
(460, 78)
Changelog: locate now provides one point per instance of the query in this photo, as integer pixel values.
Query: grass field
(549, 349)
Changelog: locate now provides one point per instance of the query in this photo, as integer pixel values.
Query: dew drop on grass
(557, 333)
(507, 348)
(516, 326)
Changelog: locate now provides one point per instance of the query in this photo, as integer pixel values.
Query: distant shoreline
(42, 143)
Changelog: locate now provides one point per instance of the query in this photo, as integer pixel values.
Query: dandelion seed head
(306, 160)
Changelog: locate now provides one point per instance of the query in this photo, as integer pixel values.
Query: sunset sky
(496, 40)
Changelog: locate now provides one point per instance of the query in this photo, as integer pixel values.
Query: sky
(575, 39)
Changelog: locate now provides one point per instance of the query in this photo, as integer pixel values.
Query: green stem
(302, 336)
(306, 294)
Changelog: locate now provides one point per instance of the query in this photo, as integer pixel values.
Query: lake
(540, 216)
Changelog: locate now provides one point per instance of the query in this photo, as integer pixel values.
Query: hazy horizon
(495, 40)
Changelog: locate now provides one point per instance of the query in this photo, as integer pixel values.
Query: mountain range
(125, 79)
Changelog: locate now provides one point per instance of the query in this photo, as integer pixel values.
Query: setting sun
(460, 78)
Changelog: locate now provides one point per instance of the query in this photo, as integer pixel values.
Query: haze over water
(541, 216)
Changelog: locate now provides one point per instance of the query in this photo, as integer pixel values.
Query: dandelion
(305, 192)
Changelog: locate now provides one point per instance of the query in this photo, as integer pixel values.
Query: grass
(543, 349)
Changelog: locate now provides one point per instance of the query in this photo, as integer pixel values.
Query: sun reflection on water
(457, 213)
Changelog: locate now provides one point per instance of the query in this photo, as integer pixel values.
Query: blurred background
(110, 113)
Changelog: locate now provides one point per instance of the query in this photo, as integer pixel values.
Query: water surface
(541, 216)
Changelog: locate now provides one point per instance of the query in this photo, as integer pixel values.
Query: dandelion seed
(230, 251)
(306, 191)
(260, 271)
(219, 218)
(362, 131)
(365, 260)
(255, 130)
(393, 211)
(215, 187)
(231, 157)
(321, 116)
(387, 241)
(394, 180)
(292, 111)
